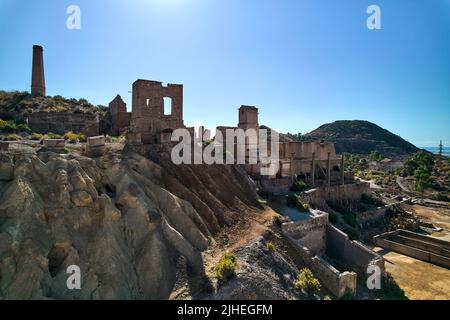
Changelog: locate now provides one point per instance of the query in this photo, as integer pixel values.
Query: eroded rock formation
(123, 219)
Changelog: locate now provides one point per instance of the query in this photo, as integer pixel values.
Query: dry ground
(238, 235)
(421, 280)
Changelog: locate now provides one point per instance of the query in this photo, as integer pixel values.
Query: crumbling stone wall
(148, 118)
(317, 241)
(310, 233)
(120, 118)
(343, 193)
(351, 255)
(60, 123)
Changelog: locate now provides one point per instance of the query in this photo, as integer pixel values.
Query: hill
(361, 137)
(15, 105)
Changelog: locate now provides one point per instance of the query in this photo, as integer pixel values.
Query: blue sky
(302, 62)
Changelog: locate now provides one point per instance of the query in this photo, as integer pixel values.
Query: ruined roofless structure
(149, 119)
(119, 117)
(37, 74)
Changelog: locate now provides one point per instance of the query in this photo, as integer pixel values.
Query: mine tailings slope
(123, 219)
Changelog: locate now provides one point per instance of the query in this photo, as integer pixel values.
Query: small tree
(307, 282)
(225, 269)
(422, 178)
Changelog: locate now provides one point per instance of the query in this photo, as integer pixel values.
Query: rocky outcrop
(263, 274)
(123, 219)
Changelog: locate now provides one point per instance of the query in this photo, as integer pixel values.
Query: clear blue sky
(303, 63)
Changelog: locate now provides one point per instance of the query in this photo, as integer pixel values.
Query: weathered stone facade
(315, 162)
(148, 115)
(60, 123)
(119, 117)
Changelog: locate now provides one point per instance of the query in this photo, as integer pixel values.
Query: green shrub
(350, 218)
(299, 185)
(225, 269)
(74, 137)
(8, 126)
(333, 217)
(352, 234)
(305, 207)
(375, 156)
(348, 295)
(270, 246)
(279, 219)
(23, 128)
(327, 297)
(11, 137)
(422, 179)
(307, 282)
(36, 136)
(371, 200)
(53, 136)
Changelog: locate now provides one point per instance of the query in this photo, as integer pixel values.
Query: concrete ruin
(37, 74)
(54, 145)
(62, 122)
(336, 261)
(4, 146)
(425, 248)
(119, 117)
(95, 146)
(150, 119)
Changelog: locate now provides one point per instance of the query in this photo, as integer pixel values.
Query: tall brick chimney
(37, 75)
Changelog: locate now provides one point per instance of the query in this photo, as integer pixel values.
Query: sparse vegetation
(375, 156)
(36, 136)
(16, 105)
(299, 185)
(11, 137)
(333, 217)
(51, 135)
(225, 269)
(74, 137)
(270, 246)
(371, 200)
(307, 282)
(10, 126)
(348, 295)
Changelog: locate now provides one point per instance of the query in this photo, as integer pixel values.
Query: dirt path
(231, 238)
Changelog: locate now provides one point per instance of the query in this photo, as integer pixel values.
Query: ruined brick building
(62, 122)
(312, 161)
(150, 118)
(119, 117)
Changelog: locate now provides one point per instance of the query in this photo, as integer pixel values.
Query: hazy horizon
(302, 63)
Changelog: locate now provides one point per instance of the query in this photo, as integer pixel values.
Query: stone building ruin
(62, 122)
(119, 117)
(150, 120)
